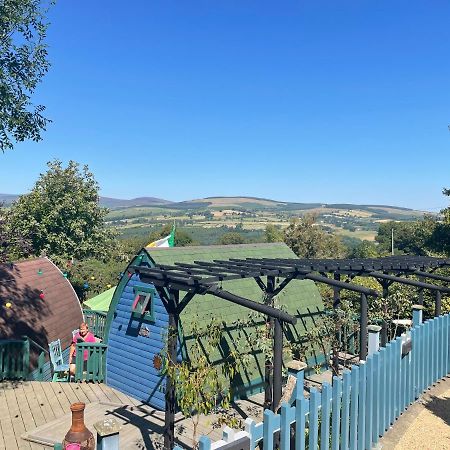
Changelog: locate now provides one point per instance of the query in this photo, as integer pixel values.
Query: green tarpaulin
(101, 301)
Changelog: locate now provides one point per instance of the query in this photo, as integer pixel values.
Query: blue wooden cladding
(358, 408)
(133, 345)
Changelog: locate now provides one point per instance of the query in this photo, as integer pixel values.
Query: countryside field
(206, 220)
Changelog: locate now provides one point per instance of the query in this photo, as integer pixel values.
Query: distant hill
(108, 202)
(7, 199)
(114, 203)
(253, 204)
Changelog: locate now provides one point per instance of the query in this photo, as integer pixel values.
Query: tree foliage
(201, 387)
(273, 233)
(308, 240)
(23, 63)
(61, 215)
(182, 239)
(11, 244)
(365, 249)
(231, 238)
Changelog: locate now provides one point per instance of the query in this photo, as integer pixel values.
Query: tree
(440, 240)
(232, 238)
(182, 239)
(11, 245)
(416, 238)
(308, 240)
(365, 249)
(201, 386)
(273, 233)
(23, 63)
(61, 214)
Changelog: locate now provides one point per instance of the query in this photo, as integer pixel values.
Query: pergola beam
(419, 284)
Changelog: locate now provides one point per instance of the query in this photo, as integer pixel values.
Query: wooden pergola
(202, 277)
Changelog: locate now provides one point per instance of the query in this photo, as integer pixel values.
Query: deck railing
(96, 321)
(15, 358)
(94, 368)
(357, 408)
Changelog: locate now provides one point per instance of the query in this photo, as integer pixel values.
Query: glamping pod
(137, 322)
(38, 302)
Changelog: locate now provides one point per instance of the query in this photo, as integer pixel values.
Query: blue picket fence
(358, 408)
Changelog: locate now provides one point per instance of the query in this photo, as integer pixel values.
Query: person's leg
(72, 370)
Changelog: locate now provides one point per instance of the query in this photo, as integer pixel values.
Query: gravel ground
(426, 423)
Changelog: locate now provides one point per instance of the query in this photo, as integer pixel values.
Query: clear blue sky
(308, 101)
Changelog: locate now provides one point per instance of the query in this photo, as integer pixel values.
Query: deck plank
(44, 415)
(96, 389)
(78, 392)
(110, 393)
(15, 414)
(60, 396)
(9, 437)
(42, 401)
(88, 392)
(52, 400)
(33, 404)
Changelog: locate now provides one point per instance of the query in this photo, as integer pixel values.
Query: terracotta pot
(78, 433)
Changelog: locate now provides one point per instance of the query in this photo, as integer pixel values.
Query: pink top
(88, 338)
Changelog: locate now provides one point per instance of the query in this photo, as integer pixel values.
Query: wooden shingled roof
(42, 320)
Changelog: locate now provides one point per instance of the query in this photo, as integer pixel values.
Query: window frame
(148, 311)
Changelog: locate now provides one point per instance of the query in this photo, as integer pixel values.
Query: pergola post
(336, 305)
(437, 305)
(172, 340)
(363, 328)
(268, 369)
(420, 292)
(277, 363)
(383, 335)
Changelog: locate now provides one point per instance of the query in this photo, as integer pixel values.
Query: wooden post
(384, 339)
(268, 369)
(420, 292)
(336, 305)
(107, 434)
(374, 338)
(437, 305)
(172, 339)
(363, 328)
(277, 363)
(417, 315)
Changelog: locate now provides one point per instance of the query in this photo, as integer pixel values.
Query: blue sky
(308, 101)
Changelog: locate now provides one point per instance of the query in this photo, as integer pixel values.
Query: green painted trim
(148, 311)
(142, 257)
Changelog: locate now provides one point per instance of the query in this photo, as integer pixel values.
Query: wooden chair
(60, 370)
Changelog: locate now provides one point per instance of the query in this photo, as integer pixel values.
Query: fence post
(107, 434)
(417, 314)
(374, 338)
(296, 369)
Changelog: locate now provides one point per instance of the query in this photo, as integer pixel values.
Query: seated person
(83, 335)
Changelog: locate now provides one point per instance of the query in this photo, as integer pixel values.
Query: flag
(168, 241)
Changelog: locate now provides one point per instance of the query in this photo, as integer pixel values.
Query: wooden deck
(34, 415)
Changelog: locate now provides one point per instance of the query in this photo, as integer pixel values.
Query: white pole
(392, 241)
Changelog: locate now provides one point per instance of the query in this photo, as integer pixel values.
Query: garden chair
(60, 370)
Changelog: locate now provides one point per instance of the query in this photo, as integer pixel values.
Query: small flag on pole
(168, 241)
